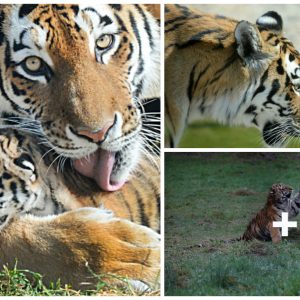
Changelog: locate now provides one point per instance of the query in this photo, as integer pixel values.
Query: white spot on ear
(29, 165)
(266, 20)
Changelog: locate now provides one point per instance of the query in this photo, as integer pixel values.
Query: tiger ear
(154, 9)
(249, 45)
(270, 21)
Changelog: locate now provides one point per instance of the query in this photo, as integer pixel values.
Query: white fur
(267, 20)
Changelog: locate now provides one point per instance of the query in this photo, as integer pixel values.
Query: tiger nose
(98, 135)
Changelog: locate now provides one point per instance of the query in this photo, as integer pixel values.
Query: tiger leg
(176, 115)
(62, 246)
(275, 234)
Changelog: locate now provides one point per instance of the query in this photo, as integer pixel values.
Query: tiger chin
(233, 72)
(79, 187)
(281, 198)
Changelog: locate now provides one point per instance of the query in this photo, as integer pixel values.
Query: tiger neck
(228, 94)
(230, 106)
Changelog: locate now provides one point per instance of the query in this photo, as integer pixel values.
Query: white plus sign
(285, 224)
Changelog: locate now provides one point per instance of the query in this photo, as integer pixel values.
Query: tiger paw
(117, 246)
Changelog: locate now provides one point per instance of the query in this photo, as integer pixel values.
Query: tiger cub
(281, 198)
(27, 184)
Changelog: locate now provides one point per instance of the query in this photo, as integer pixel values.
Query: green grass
(210, 198)
(208, 134)
(16, 282)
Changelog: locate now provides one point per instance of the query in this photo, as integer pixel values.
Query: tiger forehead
(60, 24)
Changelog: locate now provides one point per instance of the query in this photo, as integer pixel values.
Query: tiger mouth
(276, 133)
(99, 166)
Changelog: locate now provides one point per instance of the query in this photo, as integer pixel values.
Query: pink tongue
(99, 167)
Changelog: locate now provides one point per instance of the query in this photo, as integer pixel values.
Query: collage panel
(220, 238)
(80, 149)
(231, 76)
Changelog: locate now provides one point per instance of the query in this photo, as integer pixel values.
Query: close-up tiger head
(272, 60)
(234, 72)
(75, 76)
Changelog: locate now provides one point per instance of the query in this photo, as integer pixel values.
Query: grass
(208, 134)
(209, 199)
(16, 282)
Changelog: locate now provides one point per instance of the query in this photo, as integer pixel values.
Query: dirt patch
(259, 249)
(243, 192)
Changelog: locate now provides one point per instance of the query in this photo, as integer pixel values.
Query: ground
(16, 282)
(209, 199)
(210, 135)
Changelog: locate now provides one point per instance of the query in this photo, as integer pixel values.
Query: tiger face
(284, 199)
(75, 75)
(275, 102)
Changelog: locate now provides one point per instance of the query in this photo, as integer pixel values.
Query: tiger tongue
(99, 167)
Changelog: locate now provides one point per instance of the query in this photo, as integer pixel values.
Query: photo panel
(231, 224)
(231, 75)
(80, 149)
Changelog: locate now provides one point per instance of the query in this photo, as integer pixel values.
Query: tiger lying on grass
(80, 185)
(281, 198)
(236, 73)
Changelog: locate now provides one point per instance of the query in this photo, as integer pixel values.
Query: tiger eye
(33, 63)
(104, 41)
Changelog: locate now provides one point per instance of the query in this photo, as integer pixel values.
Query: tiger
(80, 183)
(234, 72)
(281, 198)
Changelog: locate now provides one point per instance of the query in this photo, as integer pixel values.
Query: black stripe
(199, 77)
(261, 87)
(26, 9)
(121, 23)
(181, 18)
(131, 52)
(3, 219)
(2, 17)
(275, 88)
(146, 23)
(75, 9)
(127, 206)
(197, 38)
(106, 20)
(144, 218)
(179, 24)
(13, 188)
(136, 32)
(117, 7)
(191, 83)
(228, 63)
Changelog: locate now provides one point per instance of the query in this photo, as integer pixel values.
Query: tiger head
(75, 76)
(283, 198)
(274, 66)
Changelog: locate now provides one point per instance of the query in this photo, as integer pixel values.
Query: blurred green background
(209, 134)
